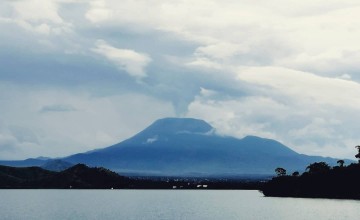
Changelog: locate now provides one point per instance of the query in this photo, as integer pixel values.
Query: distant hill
(13, 177)
(23, 163)
(191, 147)
(77, 177)
(56, 165)
(81, 176)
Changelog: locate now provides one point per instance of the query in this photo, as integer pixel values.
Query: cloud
(319, 36)
(57, 108)
(204, 63)
(279, 69)
(16, 141)
(152, 139)
(26, 15)
(132, 62)
(25, 10)
(98, 11)
(98, 121)
(222, 50)
(312, 114)
(7, 142)
(300, 85)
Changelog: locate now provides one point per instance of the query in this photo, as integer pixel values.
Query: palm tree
(341, 163)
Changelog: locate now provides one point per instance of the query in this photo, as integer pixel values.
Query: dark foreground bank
(81, 176)
(321, 181)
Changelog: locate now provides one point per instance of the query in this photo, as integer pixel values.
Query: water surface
(167, 204)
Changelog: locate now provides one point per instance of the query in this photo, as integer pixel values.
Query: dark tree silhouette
(358, 154)
(318, 167)
(341, 163)
(296, 173)
(319, 182)
(280, 171)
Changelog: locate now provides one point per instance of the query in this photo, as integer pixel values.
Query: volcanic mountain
(186, 146)
(191, 147)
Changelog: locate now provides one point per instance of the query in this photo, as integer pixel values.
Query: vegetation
(341, 163)
(318, 167)
(296, 173)
(318, 181)
(280, 171)
(358, 154)
(81, 176)
(78, 176)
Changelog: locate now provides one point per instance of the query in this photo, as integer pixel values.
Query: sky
(78, 75)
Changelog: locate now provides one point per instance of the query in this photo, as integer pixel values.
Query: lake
(167, 204)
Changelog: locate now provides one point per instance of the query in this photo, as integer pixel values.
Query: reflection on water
(167, 204)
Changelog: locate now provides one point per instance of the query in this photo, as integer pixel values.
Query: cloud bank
(277, 69)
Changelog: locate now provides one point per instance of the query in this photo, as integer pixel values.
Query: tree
(358, 154)
(280, 171)
(296, 173)
(341, 163)
(318, 167)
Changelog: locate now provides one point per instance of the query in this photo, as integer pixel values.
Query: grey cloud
(97, 121)
(13, 140)
(57, 108)
(7, 143)
(194, 67)
(24, 135)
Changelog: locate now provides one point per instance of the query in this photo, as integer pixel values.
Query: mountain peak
(179, 125)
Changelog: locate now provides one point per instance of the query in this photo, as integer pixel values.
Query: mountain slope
(186, 147)
(178, 146)
(56, 165)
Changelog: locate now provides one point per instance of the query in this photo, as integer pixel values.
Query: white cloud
(345, 76)
(37, 10)
(43, 29)
(312, 114)
(132, 62)
(221, 50)
(38, 16)
(152, 139)
(98, 11)
(204, 63)
(318, 36)
(305, 86)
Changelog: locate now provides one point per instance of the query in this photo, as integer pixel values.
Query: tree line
(317, 167)
(318, 181)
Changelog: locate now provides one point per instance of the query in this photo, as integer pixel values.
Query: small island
(319, 181)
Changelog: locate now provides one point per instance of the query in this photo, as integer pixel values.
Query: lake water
(167, 204)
